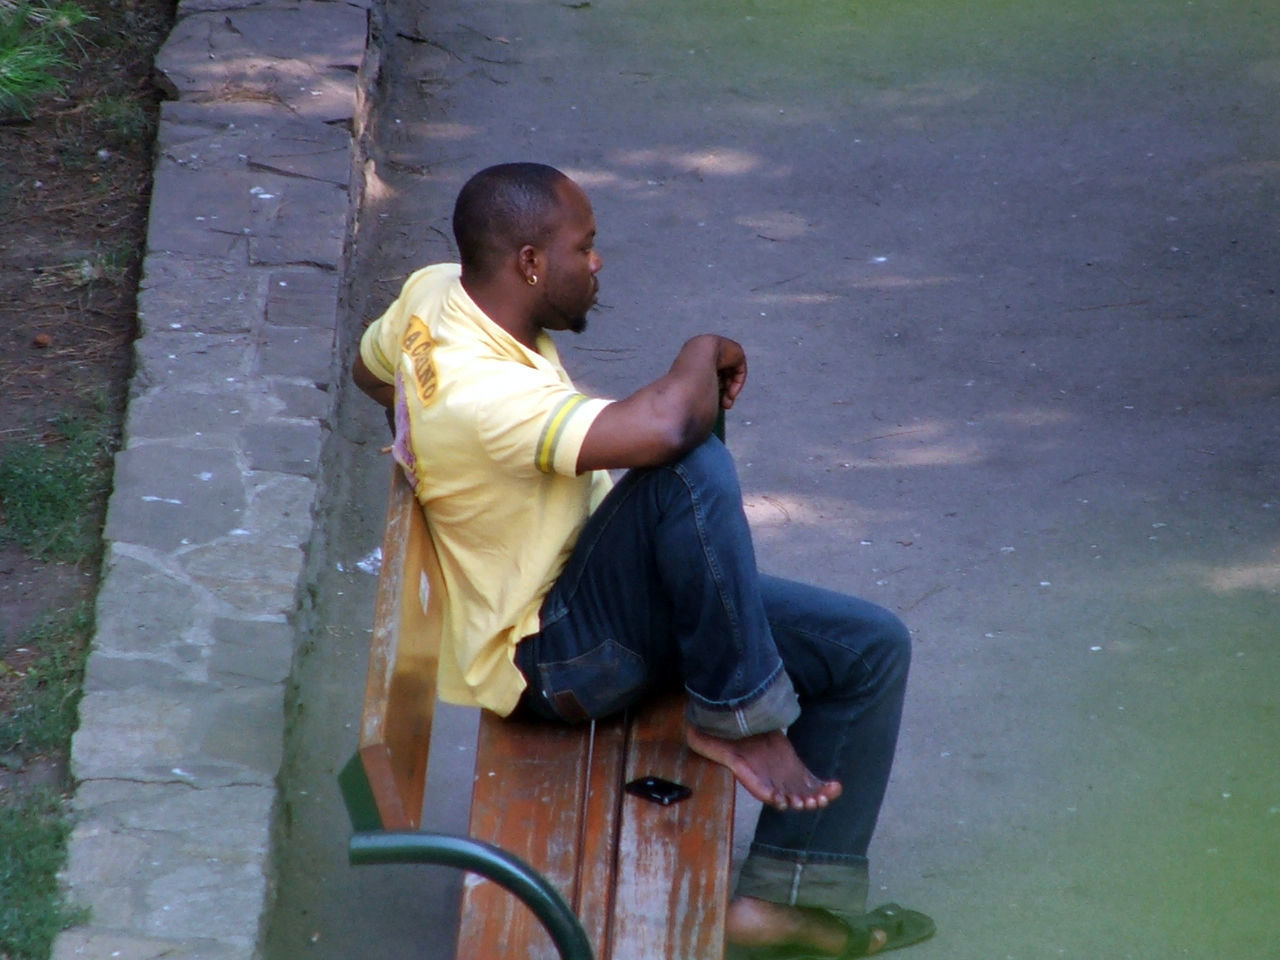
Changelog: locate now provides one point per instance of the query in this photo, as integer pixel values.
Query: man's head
(528, 224)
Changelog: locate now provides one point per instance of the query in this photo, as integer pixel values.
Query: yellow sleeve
(380, 344)
(561, 439)
(526, 418)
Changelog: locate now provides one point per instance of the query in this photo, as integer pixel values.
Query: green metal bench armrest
(504, 869)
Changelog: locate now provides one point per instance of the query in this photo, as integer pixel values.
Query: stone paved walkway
(208, 528)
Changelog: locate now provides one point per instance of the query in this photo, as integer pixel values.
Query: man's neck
(502, 309)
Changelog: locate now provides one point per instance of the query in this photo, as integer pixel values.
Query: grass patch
(48, 489)
(109, 263)
(121, 118)
(48, 688)
(33, 839)
(34, 38)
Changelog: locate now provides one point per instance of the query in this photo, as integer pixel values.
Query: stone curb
(182, 720)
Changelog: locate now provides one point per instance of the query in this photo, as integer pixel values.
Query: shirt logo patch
(418, 350)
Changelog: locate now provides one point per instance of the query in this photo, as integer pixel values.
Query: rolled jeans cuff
(837, 887)
(776, 708)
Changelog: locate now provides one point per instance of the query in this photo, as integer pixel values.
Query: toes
(876, 942)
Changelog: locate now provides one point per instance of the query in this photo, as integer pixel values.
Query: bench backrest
(400, 691)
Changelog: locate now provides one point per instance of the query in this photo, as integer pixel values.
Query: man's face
(570, 286)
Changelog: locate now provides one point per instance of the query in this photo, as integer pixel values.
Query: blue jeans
(662, 589)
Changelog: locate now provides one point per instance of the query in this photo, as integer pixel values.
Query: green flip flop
(902, 926)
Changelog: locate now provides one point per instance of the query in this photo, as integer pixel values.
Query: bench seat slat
(529, 781)
(674, 861)
(649, 882)
(593, 900)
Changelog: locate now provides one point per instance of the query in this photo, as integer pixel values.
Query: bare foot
(759, 923)
(767, 766)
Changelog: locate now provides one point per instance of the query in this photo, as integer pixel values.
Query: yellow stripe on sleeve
(553, 431)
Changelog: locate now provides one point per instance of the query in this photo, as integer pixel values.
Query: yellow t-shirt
(490, 433)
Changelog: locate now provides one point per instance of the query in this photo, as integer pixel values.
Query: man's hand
(666, 419)
(731, 368)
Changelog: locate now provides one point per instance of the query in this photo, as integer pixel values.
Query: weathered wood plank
(530, 781)
(593, 900)
(400, 689)
(648, 882)
(673, 862)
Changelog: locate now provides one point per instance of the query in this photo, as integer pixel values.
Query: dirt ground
(74, 185)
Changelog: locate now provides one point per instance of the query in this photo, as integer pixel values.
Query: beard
(568, 312)
(575, 321)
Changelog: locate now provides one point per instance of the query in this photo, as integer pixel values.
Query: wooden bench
(645, 881)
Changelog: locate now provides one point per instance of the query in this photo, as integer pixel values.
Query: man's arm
(383, 393)
(664, 420)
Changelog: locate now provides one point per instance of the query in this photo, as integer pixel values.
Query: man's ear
(529, 263)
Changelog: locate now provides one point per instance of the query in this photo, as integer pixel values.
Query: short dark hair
(502, 208)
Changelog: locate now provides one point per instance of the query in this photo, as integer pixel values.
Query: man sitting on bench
(568, 598)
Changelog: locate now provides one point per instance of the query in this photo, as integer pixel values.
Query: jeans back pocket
(603, 680)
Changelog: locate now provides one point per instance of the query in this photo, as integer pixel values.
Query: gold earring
(533, 279)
